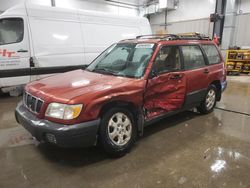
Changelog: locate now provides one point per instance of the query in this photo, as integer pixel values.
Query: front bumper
(78, 135)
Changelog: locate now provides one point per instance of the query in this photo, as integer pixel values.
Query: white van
(37, 40)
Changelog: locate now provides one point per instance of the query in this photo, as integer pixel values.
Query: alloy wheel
(119, 129)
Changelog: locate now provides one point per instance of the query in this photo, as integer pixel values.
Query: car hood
(67, 86)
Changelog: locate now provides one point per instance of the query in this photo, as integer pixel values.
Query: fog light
(50, 138)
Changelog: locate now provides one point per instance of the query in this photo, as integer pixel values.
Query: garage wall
(185, 19)
(242, 28)
(244, 6)
(202, 25)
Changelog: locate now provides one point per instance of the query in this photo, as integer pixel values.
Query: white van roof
(68, 14)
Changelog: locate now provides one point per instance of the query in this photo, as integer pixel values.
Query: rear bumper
(78, 135)
(223, 85)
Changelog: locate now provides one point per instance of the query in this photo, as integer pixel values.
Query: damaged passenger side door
(166, 86)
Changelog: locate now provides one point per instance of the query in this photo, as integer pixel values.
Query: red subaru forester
(131, 84)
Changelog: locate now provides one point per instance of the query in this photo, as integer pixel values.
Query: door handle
(175, 76)
(22, 51)
(206, 71)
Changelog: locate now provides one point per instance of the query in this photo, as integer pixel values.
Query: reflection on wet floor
(187, 150)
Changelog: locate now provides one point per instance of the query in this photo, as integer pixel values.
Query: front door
(14, 50)
(166, 87)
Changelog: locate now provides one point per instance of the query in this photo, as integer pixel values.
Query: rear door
(166, 87)
(14, 49)
(216, 66)
(196, 73)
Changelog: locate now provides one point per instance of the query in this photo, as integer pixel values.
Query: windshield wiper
(104, 71)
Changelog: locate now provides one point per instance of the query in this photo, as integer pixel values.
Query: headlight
(63, 111)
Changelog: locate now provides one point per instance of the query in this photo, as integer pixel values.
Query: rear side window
(193, 57)
(212, 54)
(11, 30)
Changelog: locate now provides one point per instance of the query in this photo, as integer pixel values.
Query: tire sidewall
(211, 87)
(106, 142)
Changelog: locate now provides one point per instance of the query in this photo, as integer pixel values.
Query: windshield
(128, 60)
(11, 30)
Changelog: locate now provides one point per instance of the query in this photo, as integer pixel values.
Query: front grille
(31, 102)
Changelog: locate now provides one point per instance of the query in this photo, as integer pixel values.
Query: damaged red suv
(130, 85)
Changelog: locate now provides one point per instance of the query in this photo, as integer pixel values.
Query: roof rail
(193, 35)
(156, 36)
(181, 36)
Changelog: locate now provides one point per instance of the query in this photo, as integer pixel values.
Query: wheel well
(128, 105)
(217, 84)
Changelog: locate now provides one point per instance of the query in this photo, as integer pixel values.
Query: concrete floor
(187, 150)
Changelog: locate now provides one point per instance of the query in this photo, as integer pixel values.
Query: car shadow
(169, 122)
(74, 157)
(79, 157)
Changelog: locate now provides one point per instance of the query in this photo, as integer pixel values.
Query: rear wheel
(209, 102)
(117, 132)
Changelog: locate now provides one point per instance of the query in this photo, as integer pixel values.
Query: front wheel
(209, 102)
(117, 131)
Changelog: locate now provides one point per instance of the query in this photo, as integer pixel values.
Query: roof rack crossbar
(182, 36)
(156, 36)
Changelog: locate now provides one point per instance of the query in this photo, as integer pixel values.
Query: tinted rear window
(212, 54)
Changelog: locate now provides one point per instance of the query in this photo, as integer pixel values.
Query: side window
(193, 57)
(168, 59)
(212, 54)
(11, 30)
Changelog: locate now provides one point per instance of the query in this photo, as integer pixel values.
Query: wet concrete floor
(187, 150)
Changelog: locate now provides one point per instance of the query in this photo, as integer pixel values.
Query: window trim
(203, 55)
(5, 18)
(168, 71)
(208, 64)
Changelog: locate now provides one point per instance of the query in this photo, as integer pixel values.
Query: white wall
(242, 26)
(244, 6)
(190, 16)
(190, 10)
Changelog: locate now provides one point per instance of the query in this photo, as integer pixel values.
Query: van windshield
(123, 59)
(11, 30)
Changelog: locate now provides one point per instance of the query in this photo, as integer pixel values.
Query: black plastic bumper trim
(78, 135)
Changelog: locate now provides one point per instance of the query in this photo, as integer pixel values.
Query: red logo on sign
(6, 53)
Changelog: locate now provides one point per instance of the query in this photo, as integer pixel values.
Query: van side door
(14, 50)
(166, 87)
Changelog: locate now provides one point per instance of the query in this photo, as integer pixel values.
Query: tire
(209, 102)
(117, 138)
